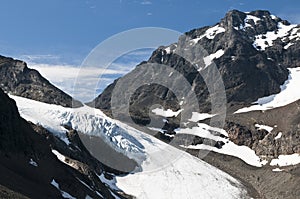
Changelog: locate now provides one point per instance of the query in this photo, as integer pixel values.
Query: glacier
(165, 171)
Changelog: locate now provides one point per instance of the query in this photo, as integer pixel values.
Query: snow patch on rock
(265, 40)
(200, 116)
(166, 113)
(286, 160)
(209, 59)
(289, 93)
(210, 33)
(265, 127)
(278, 136)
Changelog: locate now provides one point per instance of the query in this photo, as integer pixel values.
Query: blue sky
(66, 30)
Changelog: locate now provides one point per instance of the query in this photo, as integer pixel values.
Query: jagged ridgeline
(252, 52)
(18, 79)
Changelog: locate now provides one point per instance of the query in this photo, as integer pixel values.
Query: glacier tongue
(85, 120)
(166, 172)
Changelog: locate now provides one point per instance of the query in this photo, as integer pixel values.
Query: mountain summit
(257, 56)
(252, 52)
(18, 79)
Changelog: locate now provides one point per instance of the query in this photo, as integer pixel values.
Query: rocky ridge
(252, 52)
(17, 79)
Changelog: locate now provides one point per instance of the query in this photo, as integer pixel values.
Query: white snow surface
(85, 119)
(242, 152)
(254, 18)
(166, 172)
(32, 162)
(278, 136)
(248, 18)
(277, 170)
(265, 127)
(59, 155)
(166, 113)
(286, 160)
(200, 116)
(180, 176)
(229, 148)
(62, 158)
(208, 59)
(210, 33)
(289, 93)
(265, 40)
(247, 22)
(168, 50)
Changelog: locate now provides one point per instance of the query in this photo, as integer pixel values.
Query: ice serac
(16, 78)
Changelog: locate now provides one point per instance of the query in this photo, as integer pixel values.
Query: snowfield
(165, 172)
(289, 93)
(200, 116)
(166, 113)
(208, 60)
(286, 160)
(210, 33)
(263, 41)
(229, 148)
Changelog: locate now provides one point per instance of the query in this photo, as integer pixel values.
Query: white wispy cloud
(83, 83)
(37, 58)
(146, 2)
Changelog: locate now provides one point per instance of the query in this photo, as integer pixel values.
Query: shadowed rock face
(241, 130)
(22, 143)
(17, 79)
(248, 73)
(11, 138)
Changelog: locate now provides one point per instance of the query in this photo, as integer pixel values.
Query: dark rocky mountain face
(250, 65)
(10, 123)
(256, 50)
(242, 131)
(17, 79)
(28, 167)
(252, 52)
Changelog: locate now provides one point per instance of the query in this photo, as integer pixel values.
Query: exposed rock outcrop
(17, 79)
